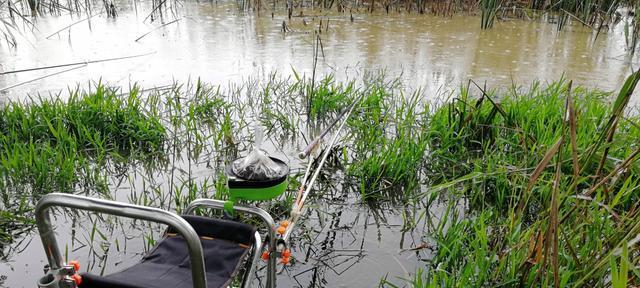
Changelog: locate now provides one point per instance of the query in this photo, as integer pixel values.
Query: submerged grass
(16, 17)
(51, 145)
(44, 143)
(389, 141)
(329, 97)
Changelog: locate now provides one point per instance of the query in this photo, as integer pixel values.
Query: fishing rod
(315, 142)
(305, 189)
(40, 78)
(76, 63)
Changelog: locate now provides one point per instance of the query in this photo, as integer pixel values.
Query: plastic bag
(257, 166)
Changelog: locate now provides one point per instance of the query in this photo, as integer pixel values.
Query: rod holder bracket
(58, 278)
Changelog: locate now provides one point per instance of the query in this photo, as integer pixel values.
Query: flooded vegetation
(492, 143)
(166, 147)
(479, 186)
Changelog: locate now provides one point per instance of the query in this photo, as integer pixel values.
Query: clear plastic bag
(257, 166)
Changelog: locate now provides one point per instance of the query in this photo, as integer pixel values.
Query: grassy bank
(551, 177)
(548, 172)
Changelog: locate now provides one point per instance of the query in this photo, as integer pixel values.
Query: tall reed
(489, 8)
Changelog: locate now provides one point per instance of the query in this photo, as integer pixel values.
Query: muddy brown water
(220, 44)
(342, 243)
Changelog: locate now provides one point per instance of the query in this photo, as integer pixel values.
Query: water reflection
(342, 242)
(220, 44)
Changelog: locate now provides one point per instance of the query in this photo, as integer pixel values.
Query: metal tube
(263, 215)
(257, 247)
(118, 209)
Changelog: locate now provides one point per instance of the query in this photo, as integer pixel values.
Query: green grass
(53, 145)
(544, 209)
(548, 173)
(488, 8)
(388, 141)
(330, 97)
(45, 142)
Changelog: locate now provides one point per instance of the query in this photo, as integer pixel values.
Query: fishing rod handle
(309, 148)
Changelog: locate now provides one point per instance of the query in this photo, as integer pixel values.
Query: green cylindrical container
(254, 190)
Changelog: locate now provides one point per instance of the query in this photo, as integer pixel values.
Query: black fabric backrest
(220, 229)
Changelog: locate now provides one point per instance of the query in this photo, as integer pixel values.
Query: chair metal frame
(271, 235)
(58, 270)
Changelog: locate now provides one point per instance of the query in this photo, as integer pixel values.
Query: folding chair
(195, 251)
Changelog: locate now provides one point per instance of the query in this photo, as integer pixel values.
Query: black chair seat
(225, 244)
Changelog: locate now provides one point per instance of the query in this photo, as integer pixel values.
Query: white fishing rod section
(305, 190)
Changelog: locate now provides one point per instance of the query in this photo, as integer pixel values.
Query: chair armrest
(52, 250)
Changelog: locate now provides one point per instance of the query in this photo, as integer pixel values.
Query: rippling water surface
(344, 243)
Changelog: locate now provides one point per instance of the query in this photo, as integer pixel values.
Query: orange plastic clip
(281, 230)
(285, 261)
(75, 264)
(284, 223)
(265, 255)
(77, 278)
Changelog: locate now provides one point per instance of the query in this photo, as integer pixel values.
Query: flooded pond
(343, 242)
(218, 43)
